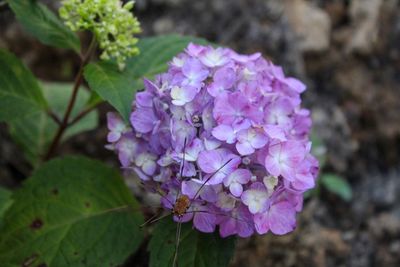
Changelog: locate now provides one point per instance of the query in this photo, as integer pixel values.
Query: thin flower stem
(81, 115)
(78, 81)
(54, 116)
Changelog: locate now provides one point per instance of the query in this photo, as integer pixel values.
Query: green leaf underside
(119, 87)
(35, 131)
(71, 212)
(196, 249)
(5, 201)
(43, 24)
(20, 94)
(337, 185)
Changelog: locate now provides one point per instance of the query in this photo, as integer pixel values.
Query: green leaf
(42, 23)
(119, 87)
(337, 185)
(5, 201)
(111, 85)
(196, 249)
(71, 212)
(20, 94)
(93, 100)
(35, 131)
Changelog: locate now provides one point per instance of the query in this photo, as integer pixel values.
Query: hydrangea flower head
(228, 132)
(111, 22)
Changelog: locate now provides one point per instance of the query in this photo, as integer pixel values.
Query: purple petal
(144, 99)
(143, 120)
(224, 133)
(194, 50)
(295, 84)
(150, 86)
(182, 95)
(193, 150)
(225, 77)
(189, 170)
(204, 222)
(194, 71)
(214, 57)
(275, 132)
(244, 148)
(220, 159)
(114, 121)
(236, 189)
(211, 143)
(242, 176)
(208, 194)
(127, 148)
(189, 188)
(257, 139)
(282, 218)
(113, 136)
(149, 167)
(261, 223)
(227, 227)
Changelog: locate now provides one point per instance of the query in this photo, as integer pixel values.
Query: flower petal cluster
(113, 25)
(229, 132)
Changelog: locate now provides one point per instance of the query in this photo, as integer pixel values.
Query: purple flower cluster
(227, 131)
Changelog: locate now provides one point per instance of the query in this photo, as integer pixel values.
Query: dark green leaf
(195, 249)
(337, 185)
(111, 85)
(35, 131)
(71, 212)
(119, 87)
(93, 100)
(5, 201)
(42, 23)
(20, 94)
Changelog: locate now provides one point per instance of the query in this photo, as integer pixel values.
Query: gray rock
(365, 24)
(310, 23)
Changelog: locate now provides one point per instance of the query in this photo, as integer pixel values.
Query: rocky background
(347, 52)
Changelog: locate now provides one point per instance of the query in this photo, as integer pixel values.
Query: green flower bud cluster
(112, 23)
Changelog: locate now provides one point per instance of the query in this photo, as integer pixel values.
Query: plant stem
(78, 81)
(54, 116)
(81, 115)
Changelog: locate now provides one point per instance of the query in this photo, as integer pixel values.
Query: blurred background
(348, 54)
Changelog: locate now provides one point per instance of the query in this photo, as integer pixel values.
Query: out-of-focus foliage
(196, 249)
(71, 212)
(20, 93)
(39, 21)
(5, 201)
(35, 132)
